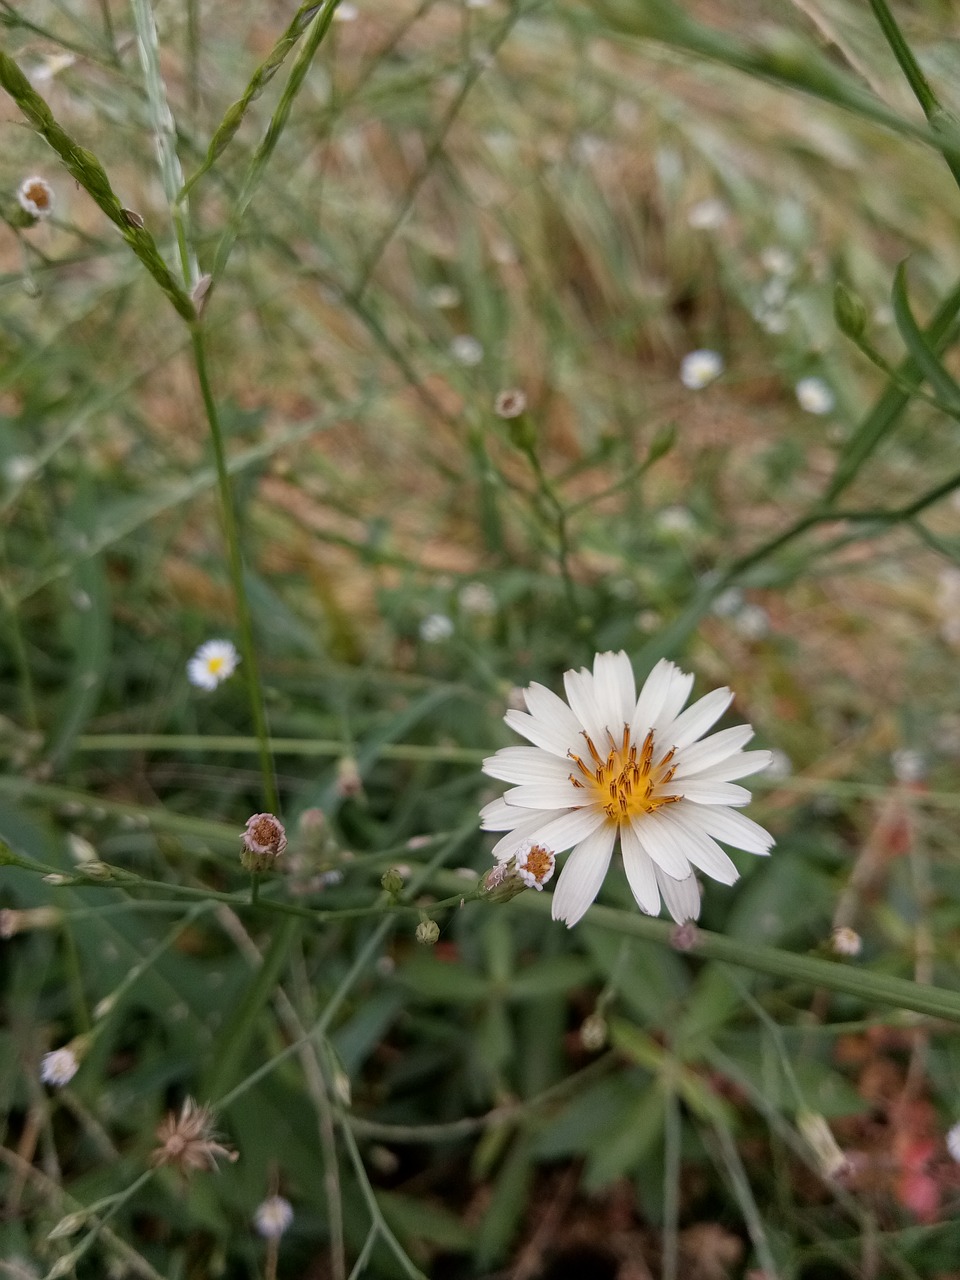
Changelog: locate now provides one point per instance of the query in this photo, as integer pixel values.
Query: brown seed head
(188, 1140)
(263, 840)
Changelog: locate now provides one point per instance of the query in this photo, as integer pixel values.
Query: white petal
(498, 814)
(664, 681)
(712, 750)
(528, 829)
(546, 795)
(543, 704)
(583, 701)
(707, 791)
(570, 828)
(614, 689)
(540, 733)
(696, 720)
(681, 897)
(663, 845)
(526, 764)
(582, 876)
(640, 872)
(739, 765)
(702, 851)
(731, 827)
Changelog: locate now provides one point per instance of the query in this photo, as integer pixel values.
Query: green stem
(913, 72)
(251, 669)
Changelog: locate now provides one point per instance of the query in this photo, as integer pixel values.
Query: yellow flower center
(215, 665)
(623, 783)
(539, 862)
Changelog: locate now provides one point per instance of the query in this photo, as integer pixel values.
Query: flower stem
(251, 670)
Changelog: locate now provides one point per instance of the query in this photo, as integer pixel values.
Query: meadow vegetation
(359, 337)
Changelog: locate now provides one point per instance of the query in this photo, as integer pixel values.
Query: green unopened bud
(68, 1226)
(392, 881)
(831, 1160)
(501, 883)
(428, 933)
(96, 871)
(849, 311)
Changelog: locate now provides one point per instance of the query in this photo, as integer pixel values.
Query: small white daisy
(214, 661)
(273, 1217)
(466, 349)
(814, 396)
(699, 368)
(608, 765)
(59, 1067)
(953, 1142)
(36, 197)
(708, 215)
(435, 628)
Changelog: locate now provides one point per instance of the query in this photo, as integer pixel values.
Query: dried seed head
(510, 403)
(263, 841)
(58, 1067)
(188, 1140)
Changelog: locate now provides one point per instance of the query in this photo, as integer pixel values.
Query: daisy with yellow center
(214, 661)
(608, 766)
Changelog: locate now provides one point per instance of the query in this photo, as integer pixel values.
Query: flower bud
(849, 311)
(428, 933)
(263, 841)
(593, 1032)
(392, 881)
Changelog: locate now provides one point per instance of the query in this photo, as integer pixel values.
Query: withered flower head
(188, 1140)
(263, 841)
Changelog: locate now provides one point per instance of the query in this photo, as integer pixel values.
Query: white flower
(814, 396)
(345, 12)
(677, 521)
(846, 941)
(19, 468)
(781, 766)
(953, 1142)
(435, 628)
(36, 197)
(752, 622)
(273, 1217)
(699, 368)
(444, 297)
(909, 765)
(777, 261)
(214, 661)
(59, 1067)
(708, 215)
(476, 597)
(607, 765)
(466, 349)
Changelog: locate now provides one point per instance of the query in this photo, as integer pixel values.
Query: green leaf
(638, 1127)
(506, 1208)
(416, 1218)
